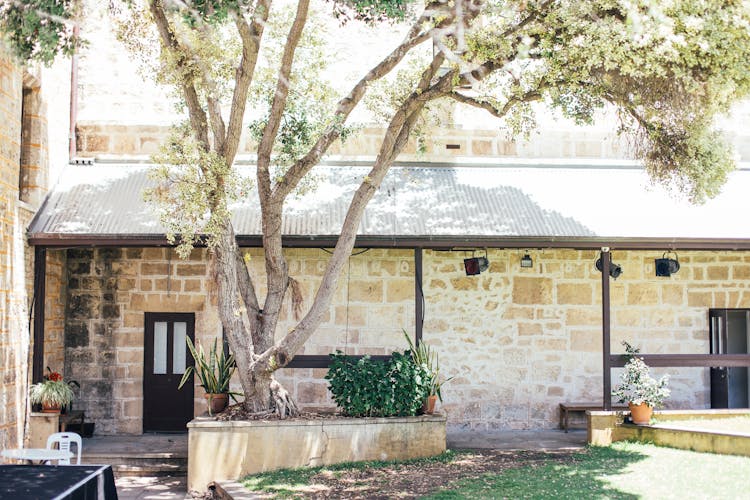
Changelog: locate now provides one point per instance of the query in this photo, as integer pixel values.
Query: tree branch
(394, 141)
(496, 111)
(276, 267)
(301, 167)
(196, 113)
(250, 34)
(265, 148)
(250, 298)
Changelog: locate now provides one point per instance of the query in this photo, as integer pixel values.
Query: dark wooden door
(165, 408)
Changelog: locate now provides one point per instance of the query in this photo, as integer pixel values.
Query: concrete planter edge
(220, 451)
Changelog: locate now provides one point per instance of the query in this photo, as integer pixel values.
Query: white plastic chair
(64, 440)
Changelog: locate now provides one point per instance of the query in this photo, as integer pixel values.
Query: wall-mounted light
(526, 261)
(476, 265)
(615, 270)
(666, 266)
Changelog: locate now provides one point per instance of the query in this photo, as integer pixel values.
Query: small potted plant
(214, 371)
(639, 389)
(425, 356)
(53, 393)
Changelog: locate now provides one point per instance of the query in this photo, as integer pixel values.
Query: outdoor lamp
(615, 270)
(476, 265)
(666, 266)
(526, 261)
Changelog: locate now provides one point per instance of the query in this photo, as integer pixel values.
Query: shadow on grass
(583, 476)
(299, 482)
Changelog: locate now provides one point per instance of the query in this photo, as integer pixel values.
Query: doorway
(730, 334)
(166, 357)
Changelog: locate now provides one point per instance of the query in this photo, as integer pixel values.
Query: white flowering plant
(638, 386)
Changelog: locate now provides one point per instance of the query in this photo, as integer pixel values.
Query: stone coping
(686, 429)
(683, 414)
(209, 422)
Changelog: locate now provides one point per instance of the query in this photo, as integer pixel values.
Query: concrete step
(146, 464)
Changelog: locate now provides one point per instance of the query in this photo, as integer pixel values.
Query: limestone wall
(23, 182)
(110, 289)
(54, 311)
(14, 330)
(518, 341)
(96, 139)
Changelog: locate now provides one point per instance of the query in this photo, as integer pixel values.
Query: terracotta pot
(216, 402)
(50, 408)
(429, 404)
(640, 414)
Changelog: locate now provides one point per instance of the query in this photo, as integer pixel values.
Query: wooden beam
(684, 360)
(606, 366)
(320, 360)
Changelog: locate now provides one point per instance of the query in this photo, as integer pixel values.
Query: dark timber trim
(40, 285)
(418, 296)
(606, 366)
(684, 360)
(320, 360)
(428, 242)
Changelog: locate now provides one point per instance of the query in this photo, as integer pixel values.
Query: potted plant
(423, 355)
(214, 370)
(53, 393)
(639, 389)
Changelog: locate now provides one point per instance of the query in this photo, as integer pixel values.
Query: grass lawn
(623, 471)
(729, 424)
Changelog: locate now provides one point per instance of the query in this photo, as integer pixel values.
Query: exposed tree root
(283, 402)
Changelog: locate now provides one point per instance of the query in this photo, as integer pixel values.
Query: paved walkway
(174, 488)
(546, 440)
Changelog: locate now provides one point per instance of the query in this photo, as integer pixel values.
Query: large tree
(667, 68)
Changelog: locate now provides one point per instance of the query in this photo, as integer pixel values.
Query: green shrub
(372, 388)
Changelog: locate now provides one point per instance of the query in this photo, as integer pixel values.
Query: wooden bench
(567, 408)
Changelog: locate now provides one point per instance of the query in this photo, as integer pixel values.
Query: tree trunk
(263, 394)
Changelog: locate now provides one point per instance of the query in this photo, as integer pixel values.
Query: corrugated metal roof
(423, 202)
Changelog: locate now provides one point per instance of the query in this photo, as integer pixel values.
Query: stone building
(25, 146)
(518, 340)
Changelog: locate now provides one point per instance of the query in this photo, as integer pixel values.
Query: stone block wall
(23, 182)
(14, 330)
(110, 289)
(517, 340)
(520, 341)
(54, 311)
(444, 144)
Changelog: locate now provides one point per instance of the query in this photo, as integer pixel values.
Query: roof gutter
(426, 242)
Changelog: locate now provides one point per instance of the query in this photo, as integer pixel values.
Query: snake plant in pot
(214, 370)
(423, 355)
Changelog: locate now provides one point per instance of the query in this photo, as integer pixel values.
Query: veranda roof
(509, 205)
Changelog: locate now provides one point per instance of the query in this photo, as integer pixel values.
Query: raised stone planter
(230, 450)
(607, 427)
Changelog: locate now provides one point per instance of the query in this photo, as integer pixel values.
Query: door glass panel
(160, 347)
(179, 348)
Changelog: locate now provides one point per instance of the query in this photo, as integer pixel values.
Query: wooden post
(607, 367)
(418, 297)
(40, 280)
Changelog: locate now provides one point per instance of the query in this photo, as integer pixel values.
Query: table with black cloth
(43, 482)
